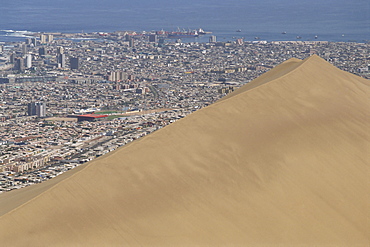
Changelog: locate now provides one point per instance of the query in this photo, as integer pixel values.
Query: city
(69, 98)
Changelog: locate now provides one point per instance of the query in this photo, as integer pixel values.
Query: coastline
(9, 36)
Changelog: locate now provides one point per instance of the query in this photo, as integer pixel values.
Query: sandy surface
(283, 161)
(15, 198)
(66, 119)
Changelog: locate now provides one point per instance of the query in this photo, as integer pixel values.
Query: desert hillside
(284, 160)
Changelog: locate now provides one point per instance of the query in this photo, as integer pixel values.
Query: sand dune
(284, 160)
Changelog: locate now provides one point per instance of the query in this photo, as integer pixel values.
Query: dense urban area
(69, 98)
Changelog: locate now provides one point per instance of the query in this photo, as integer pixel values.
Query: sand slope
(282, 161)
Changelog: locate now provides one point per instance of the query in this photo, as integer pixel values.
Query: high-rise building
(112, 76)
(212, 39)
(43, 38)
(19, 64)
(31, 109)
(28, 61)
(41, 110)
(161, 41)
(50, 37)
(153, 38)
(60, 50)
(37, 108)
(117, 76)
(132, 42)
(24, 49)
(74, 61)
(42, 51)
(122, 76)
(12, 58)
(61, 60)
(34, 41)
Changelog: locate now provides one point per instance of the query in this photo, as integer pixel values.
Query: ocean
(331, 20)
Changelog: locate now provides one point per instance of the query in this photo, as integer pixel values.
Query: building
(31, 109)
(50, 37)
(212, 39)
(43, 38)
(24, 49)
(42, 51)
(161, 41)
(43, 79)
(117, 76)
(40, 110)
(34, 41)
(28, 61)
(132, 42)
(36, 108)
(74, 62)
(142, 90)
(60, 50)
(12, 58)
(153, 38)
(226, 90)
(61, 60)
(19, 64)
(240, 41)
(4, 80)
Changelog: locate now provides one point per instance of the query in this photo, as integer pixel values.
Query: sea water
(332, 20)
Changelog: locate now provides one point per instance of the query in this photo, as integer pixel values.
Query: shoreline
(13, 36)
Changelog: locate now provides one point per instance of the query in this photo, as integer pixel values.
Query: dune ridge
(281, 161)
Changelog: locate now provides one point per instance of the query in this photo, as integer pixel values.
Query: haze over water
(333, 20)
